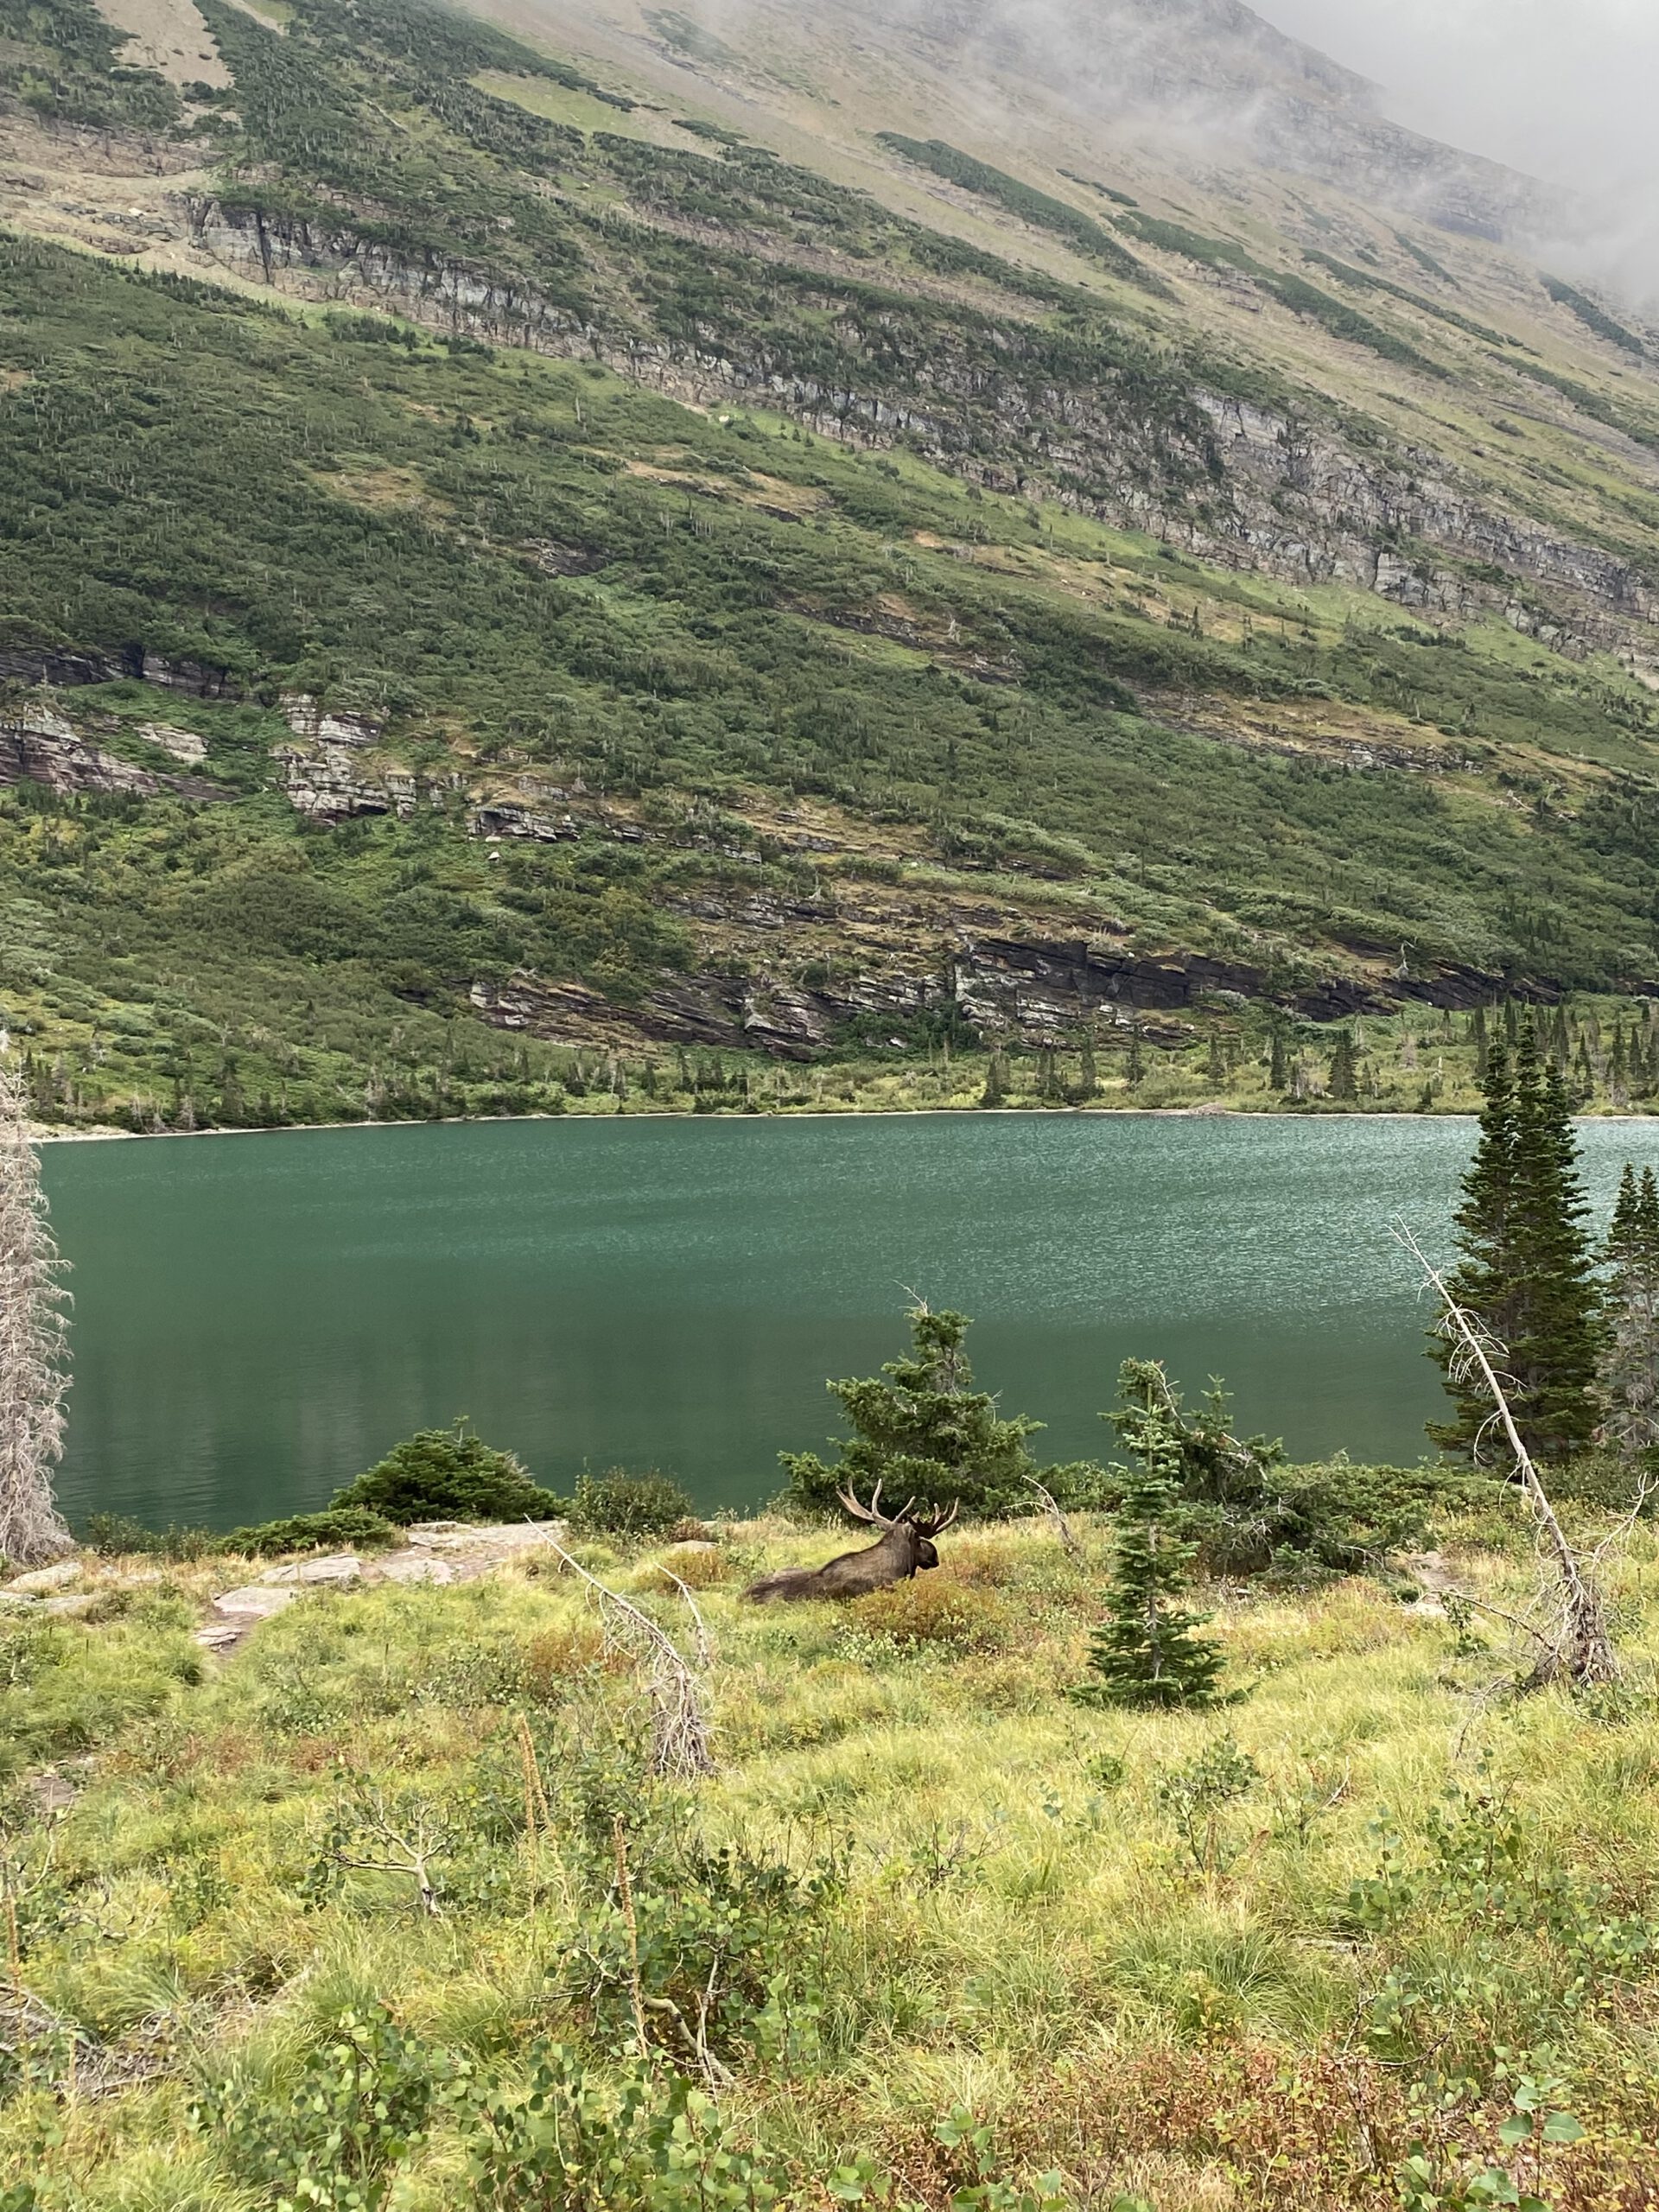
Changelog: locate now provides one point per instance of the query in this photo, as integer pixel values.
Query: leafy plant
(114, 1534)
(640, 2137)
(618, 1504)
(334, 2137)
(1196, 1795)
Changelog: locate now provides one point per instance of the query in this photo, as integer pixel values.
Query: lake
(258, 1318)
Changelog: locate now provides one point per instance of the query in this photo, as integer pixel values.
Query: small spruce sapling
(1147, 1650)
(922, 1430)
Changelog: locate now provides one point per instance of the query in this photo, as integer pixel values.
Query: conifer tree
(1342, 1082)
(1526, 1271)
(922, 1430)
(1147, 1650)
(32, 1345)
(1278, 1076)
(1088, 1073)
(1629, 1388)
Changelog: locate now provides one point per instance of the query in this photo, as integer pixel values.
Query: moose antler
(873, 1512)
(933, 1523)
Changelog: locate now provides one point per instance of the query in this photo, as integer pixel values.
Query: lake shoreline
(44, 1134)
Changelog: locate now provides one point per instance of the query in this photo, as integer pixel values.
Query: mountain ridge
(986, 518)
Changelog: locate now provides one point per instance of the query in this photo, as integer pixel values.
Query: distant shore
(45, 1134)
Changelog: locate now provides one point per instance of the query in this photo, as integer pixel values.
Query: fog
(1563, 89)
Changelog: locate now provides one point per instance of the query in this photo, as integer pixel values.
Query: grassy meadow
(380, 1909)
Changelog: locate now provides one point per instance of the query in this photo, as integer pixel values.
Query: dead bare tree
(401, 1847)
(680, 1746)
(1578, 1647)
(33, 1344)
(1057, 1521)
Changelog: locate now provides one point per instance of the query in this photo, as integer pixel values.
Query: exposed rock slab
(43, 1579)
(255, 1600)
(502, 1537)
(37, 746)
(339, 1567)
(412, 1567)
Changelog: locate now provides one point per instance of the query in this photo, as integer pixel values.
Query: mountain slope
(820, 595)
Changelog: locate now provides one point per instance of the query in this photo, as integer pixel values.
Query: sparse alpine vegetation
(407, 714)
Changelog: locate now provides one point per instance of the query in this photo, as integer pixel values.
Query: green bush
(347, 1528)
(1603, 1480)
(443, 1474)
(335, 2139)
(617, 1504)
(111, 1534)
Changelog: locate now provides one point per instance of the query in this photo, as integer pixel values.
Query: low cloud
(1561, 89)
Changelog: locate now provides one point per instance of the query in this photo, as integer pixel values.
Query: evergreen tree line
(1576, 1326)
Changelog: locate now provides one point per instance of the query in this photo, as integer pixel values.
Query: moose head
(906, 1546)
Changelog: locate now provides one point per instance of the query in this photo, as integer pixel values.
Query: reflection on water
(256, 1318)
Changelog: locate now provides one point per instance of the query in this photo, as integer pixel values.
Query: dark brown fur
(906, 1546)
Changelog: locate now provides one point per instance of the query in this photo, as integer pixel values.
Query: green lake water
(258, 1318)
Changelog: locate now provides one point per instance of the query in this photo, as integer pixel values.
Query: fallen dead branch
(680, 1748)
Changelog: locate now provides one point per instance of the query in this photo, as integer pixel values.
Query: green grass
(1417, 1900)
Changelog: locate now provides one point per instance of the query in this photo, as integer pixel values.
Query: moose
(907, 1544)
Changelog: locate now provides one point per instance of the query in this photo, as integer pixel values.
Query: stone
(339, 1567)
(55, 1793)
(414, 1567)
(70, 1603)
(257, 1599)
(509, 1536)
(306, 717)
(184, 744)
(221, 1635)
(44, 1579)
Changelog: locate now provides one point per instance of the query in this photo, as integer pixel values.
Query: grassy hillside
(938, 1932)
(402, 722)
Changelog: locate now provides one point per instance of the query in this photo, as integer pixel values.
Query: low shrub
(562, 1654)
(114, 1535)
(1601, 1480)
(932, 1611)
(347, 1527)
(617, 1504)
(443, 1474)
(699, 1566)
(335, 2135)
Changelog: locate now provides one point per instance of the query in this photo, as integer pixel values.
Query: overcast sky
(1566, 89)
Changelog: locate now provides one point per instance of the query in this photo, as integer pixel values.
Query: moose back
(906, 1545)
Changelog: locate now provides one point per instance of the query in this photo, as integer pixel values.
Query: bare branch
(679, 1696)
(1583, 1648)
(1062, 1526)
